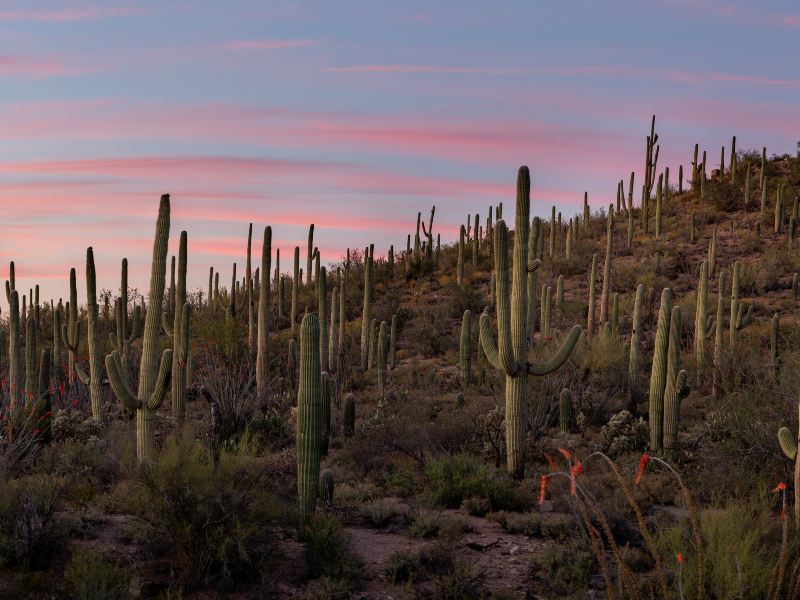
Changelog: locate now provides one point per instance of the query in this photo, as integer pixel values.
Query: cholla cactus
(154, 374)
(510, 354)
(309, 417)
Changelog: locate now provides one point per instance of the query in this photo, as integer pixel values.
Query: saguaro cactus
(310, 253)
(291, 364)
(322, 302)
(428, 232)
(154, 374)
(125, 336)
(180, 337)
(365, 313)
(592, 280)
(382, 358)
(264, 300)
(309, 417)
(676, 388)
(460, 263)
(333, 330)
(31, 357)
(393, 342)
(93, 338)
(326, 486)
(658, 375)
(509, 354)
(14, 349)
(71, 330)
(741, 315)
(565, 411)
(327, 395)
(465, 349)
(634, 355)
(349, 412)
(789, 443)
(704, 324)
(718, 334)
(533, 272)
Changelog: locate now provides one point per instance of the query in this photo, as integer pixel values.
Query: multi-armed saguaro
(510, 353)
(154, 373)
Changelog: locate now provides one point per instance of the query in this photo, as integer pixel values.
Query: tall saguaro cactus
(310, 253)
(295, 290)
(658, 375)
(180, 336)
(154, 373)
(465, 348)
(322, 303)
(366, 311)
(309, 417)
(264, 299)
(509, 354)
(71, 330)
(604, 297)
(704, 326)
(93, 337)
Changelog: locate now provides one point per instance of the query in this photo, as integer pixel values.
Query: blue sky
(355, 115)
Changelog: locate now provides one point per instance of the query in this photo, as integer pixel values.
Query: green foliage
(214, 516)
(624, 433)
(327, 550)
(453, 479)
(563, 571)
(92, 576)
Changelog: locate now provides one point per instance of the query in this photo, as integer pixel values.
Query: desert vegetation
(599, 405)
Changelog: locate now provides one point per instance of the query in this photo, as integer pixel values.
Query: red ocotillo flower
(543, 481)
(642, 465)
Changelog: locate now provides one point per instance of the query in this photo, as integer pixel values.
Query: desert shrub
(529, 524)
(29, 533)
(563, 570)
(425, 525)
(477, 506)
(458, 583)
(466, 297)
(406, 567)
(75, 425)
(723, 196)
(327, 550)
(734, 555)
(381, 512)
(92, 576)
(559, 526)
(216, 517)
(429, 330)
(452, 479)
(624, 433)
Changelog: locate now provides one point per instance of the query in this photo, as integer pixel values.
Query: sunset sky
(354, 115)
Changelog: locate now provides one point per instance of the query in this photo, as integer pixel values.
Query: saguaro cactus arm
(487, 341)
(162, 381)
(788, 443)
(119, 383)
(559, 358)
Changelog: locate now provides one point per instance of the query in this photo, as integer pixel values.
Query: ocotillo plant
(658, 375)
(465, 349)
(741, 315)
(154, 374)
(349, 414)
(509, 355)
(382, 358)
(309, 417)
(71, 330)
(676, 388)
(565, 411)
(366, 311)
(264, 300)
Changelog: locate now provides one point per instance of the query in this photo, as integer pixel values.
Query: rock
(514, 550)
(481, 545)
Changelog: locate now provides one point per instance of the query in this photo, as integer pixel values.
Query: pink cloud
(28, 66)
(72, 15)
(269, 44)
(399, 68)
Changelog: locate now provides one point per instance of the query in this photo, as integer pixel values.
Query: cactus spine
(264, 300)
(365, 314)
(465, 348)
(658, 375)
(509, 355)
(676, 388)
(349, 412)
(154, 374)
(310, 414)
(565, 411)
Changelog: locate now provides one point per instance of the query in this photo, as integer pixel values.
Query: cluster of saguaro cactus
(309, 417)
(155, 371)
(676, 387)
(509, 354)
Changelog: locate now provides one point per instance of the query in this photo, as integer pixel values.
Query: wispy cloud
(73, 14)
(400, 68)
(30, 66)
(270, 44)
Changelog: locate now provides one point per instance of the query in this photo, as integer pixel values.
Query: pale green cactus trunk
(634, 354)
(373, 343)
(382, 357)
(741, 315)
(592, 279)
(658, 375)
(309, 417)
(704, 325)
(327, 395)
(71, 330)
(333, 331)
(14, 350)
(31, 375)
(154, 373)
(460, 263)
(264, 301)
(565, 411)
(552, 249)
(180, 337)
(509, 354)
(533, 242)
(93, 338)
(465, 349)
(310, 253)
(322, 303)
(366, 311)
(718, 335)
(295, 291)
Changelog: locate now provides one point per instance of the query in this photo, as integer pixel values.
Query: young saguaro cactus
(658, 375)
(635, 353)
(309, 417)
(704, 324)
(509, 354)
(565, 411)
(676, 388)
(333, 331)
(349, 413)
(465, 349)
(322, 304)
(460, 263)
(154, 373)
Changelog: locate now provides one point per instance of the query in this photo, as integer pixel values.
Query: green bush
(216, 518)
(92, 576)
(328, 552)
(453, 479)
(563, 570)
